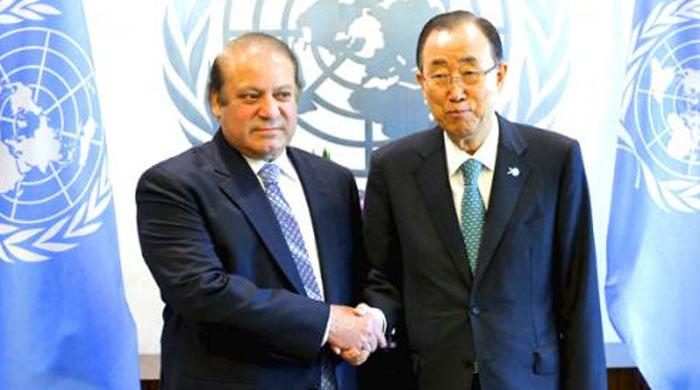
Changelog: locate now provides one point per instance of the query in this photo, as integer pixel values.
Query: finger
(379, 336)
(363, 358)
(350, 355)
(382, 341)
(357, 359)
(362, 309)
(372, 344)
(366, 347)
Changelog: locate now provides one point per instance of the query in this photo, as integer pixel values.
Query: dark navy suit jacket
(530, 314)
(236, 315)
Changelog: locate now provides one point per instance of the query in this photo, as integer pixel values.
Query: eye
(471, 76)
(439, 76)
(284, 96)
(249, 97)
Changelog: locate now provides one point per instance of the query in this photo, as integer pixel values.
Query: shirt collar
(281, 161)
(486, 154)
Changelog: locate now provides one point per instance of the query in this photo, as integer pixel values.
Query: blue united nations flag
(64, 321)
(653, 280)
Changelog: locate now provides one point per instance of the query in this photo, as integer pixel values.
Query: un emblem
(662, 104)
(358, 64)
(53, 185)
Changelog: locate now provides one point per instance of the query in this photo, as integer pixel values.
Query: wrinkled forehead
(464, 44)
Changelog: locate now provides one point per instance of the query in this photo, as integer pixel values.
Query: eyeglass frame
(479, 76)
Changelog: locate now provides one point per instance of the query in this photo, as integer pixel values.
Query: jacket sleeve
(179, 251)
(582, 352)
(383, 286)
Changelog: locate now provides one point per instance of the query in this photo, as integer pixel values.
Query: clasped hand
(355, 332)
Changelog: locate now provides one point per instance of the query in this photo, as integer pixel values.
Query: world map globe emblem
(359, 68)
(666, 104)
(51, 146)
(358, 62)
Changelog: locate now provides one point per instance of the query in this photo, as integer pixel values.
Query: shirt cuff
(328, 329)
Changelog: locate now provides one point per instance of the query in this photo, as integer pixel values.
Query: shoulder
(549, 139)
(193, 162)
(410, 147)
(539, 136)
(542, 144)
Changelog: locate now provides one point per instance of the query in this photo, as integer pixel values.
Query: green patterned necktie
(472, 211)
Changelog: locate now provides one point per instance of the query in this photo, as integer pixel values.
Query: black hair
(453, 19)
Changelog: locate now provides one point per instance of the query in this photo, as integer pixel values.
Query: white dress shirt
(486, 155)
(293, 192)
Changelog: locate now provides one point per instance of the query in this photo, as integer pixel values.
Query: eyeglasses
(467, 77)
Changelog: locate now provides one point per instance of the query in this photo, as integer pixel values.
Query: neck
(471, 144)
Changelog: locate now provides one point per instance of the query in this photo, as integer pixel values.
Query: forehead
(464, 43)
(256, 62)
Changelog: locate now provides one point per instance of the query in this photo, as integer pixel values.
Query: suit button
(476, 311)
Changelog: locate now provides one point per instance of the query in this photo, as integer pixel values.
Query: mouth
(266, 129)
(458, 113)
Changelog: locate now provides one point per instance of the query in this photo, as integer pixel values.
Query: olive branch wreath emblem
(540, 86)
(185, 74)
(37, 244)
(544, 75)
(675, 194)
(16, 11)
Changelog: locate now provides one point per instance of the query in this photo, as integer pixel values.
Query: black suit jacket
(236, 315)
(530, 315)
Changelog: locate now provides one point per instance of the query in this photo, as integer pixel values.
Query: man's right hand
(356, 330)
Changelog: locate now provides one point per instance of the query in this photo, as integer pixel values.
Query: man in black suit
(255, 245)
(479, 234)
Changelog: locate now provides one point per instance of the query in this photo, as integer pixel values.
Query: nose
(269, 107)
(455, 90)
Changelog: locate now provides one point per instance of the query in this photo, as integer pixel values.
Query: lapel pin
(513, 171)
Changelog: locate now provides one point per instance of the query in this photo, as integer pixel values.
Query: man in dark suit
(255, 245)
(479, 234)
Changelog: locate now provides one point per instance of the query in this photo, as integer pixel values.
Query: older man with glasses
(479, 232)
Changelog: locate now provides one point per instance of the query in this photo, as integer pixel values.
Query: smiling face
(257, 106)
(460, 108)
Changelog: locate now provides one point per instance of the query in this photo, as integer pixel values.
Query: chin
(462, 126)
(460, 131)
(271, 153)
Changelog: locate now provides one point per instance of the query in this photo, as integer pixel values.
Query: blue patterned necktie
(472, 211)
(270, 174)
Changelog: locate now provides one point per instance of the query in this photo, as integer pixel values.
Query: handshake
(356, 332)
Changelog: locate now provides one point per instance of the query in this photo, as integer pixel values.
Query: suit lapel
(241, 186)
(317, 193)
(505, 191)
(433, 182)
